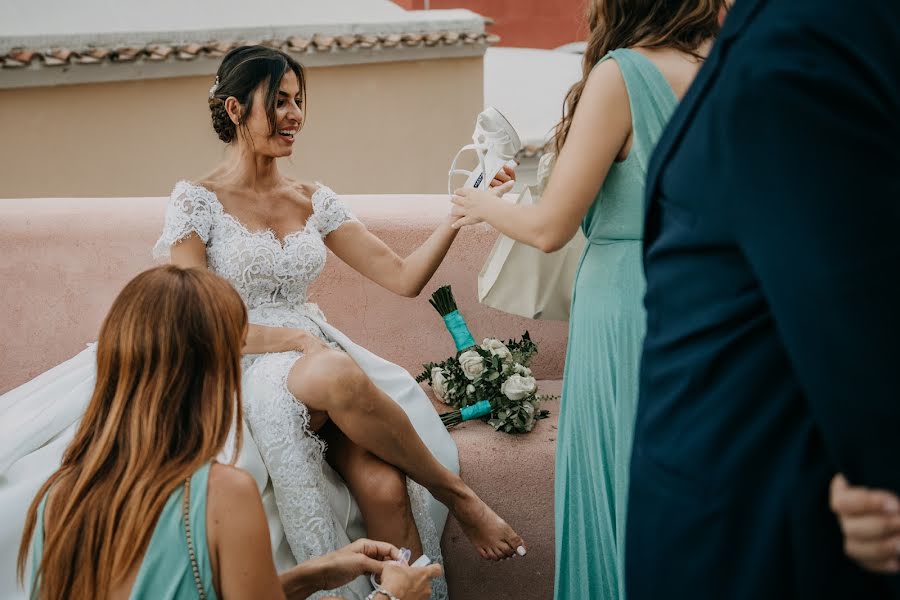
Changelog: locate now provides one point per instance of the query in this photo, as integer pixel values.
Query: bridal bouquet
(490, 380)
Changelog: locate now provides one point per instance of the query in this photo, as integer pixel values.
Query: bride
(316, 404)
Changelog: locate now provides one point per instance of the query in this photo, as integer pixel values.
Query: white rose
(472, 364)
(497, 348)
(439, 384)
(470, 389)
(518, 387)
(522, 370)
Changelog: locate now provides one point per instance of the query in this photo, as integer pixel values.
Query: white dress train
(308, 507)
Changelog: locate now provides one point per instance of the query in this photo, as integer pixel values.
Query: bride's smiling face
(288, 119)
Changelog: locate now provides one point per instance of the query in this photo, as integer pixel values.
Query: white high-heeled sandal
(495, 142)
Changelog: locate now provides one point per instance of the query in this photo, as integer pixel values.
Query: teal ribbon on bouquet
(476, 411)
(467, 413)
(457, 327)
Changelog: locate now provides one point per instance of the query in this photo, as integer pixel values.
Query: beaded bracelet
(384, 592)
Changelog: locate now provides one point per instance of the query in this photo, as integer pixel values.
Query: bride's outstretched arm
(369, 255)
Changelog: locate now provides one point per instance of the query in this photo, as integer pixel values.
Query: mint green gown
(165, 572)
(600, 384)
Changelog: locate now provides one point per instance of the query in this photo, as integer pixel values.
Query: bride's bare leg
(329, 381)
(379, 488)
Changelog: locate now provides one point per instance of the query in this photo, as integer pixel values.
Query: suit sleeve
(813, 146)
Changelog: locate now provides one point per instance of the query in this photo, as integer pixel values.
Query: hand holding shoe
(468, 203)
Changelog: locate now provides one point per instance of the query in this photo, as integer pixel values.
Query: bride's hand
(307, 343)
(467, 203)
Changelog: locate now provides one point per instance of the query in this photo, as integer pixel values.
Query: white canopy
(528, 86)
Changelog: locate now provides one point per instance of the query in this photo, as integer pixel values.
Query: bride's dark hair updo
(243, 70)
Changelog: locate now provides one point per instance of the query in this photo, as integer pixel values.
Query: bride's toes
(492, 536)
(518, 546)
(506, 551)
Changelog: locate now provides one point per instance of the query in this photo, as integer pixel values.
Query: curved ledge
(68, 257)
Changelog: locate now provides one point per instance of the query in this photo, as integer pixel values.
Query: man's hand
(870, 520)
(308, 343)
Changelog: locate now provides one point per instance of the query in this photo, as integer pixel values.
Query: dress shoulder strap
(650, 96)
(37, 543)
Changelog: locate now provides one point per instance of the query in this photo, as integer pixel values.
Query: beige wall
(374, 128)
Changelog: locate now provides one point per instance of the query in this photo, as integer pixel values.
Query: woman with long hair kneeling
(139, 507)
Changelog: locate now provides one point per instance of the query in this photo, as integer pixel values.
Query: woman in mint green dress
(640, 59)
(139, 508)
(115, 520)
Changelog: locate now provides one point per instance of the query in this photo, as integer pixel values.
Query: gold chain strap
(186, 510)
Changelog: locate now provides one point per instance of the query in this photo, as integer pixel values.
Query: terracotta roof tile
(298, 44)
(434, 38)
(122, 55)
(413, 39)
(63, 54)
(322, 43)
(391, 40)
(103, 53)
(368, 41)
(159, 52)
(219, 48)
(345, 42)
(23, 57)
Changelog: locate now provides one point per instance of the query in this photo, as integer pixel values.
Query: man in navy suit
(772, 355)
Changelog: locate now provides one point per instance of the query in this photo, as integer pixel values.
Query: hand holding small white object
(402, 581)
(467, 202)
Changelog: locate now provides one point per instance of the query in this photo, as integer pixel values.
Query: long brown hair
(680, 24)
(167, 394)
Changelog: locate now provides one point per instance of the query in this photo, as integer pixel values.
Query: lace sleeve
(190, 210)
(329, 210)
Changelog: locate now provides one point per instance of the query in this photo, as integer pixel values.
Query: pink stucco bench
(64, 259)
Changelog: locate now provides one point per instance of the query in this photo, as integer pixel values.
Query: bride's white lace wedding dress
(309, 509)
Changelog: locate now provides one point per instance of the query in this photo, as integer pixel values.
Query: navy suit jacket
(772, 355)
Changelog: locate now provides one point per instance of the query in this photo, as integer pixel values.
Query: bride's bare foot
(492, 536)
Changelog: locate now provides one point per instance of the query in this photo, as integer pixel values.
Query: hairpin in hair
(212, 90)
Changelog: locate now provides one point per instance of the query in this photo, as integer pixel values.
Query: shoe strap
(454, 171)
